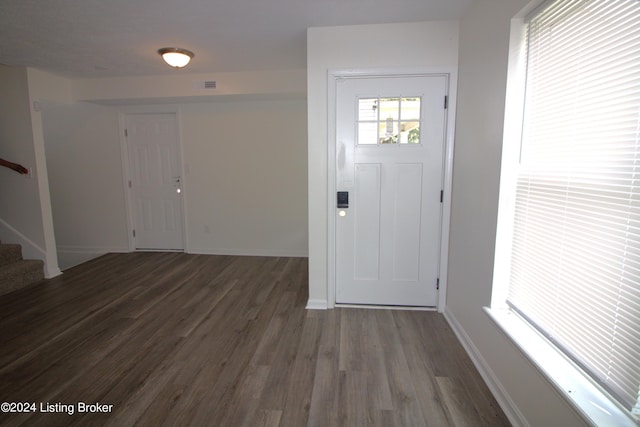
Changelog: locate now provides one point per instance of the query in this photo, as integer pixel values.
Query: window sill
(584, 395)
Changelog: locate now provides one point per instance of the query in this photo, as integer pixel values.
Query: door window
(393, 120)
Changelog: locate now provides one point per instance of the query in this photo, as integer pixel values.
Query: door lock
(343, 199)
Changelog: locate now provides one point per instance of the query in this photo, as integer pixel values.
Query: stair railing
(14, 166)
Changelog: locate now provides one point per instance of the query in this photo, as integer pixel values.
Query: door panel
(407, 221)
(155, 181)
(367, 222)
(390, 152)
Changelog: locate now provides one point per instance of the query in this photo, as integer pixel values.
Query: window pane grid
(575, 270)
(391, 120)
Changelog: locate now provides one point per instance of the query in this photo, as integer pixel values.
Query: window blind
(575, 265)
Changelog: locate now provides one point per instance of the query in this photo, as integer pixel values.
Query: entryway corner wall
(396, 47)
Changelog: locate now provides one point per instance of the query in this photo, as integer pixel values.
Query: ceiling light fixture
(175, 56)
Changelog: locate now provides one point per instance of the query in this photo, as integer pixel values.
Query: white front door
(390, 154)
(155, 181)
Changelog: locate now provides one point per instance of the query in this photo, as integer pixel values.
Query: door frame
(126, 165)
(334, 76)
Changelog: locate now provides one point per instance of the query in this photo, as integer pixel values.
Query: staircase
(15, 272)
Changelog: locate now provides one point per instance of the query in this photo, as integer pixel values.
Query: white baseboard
(502, 397)
(70, 256)
(51, 272)
(249, 252)
(316, 304)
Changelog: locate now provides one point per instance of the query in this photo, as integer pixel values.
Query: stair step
(10, 253)
(20, 274)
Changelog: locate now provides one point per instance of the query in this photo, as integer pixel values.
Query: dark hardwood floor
(175, 339)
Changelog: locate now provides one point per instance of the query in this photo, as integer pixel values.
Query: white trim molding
(583, 394)
(316, 304)
(507, 404)
(71, 256)
(30, 250)
(123, 112)
(333, 76)
(249, 252)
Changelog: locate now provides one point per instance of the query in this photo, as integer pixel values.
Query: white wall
(246, 177)
(244, 155)
(85, 179)
(16, 145)
(484, 47)
(25, 210)
(390, 46)
(181, 86)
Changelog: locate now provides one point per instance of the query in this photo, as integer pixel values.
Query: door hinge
(126, 132)
(134, 232)
(129, 183)
(441, 195)
(438, 284)
(446, 102)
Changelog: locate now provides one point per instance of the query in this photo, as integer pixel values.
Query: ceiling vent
(205, 85)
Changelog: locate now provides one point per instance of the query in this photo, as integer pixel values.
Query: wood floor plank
(421, 357)
(325, 402)
(268, 418)
(458, 404)
(246, 397)
(222, 396)
(288, 339)
(210, 389)
(49, 322)
(295, 411)
(405, 403)
(376, 362)
(182, 339)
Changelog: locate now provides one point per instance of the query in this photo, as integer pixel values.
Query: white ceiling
(100, 38)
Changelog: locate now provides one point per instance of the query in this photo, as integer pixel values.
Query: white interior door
(390, 155)
(156, 183)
